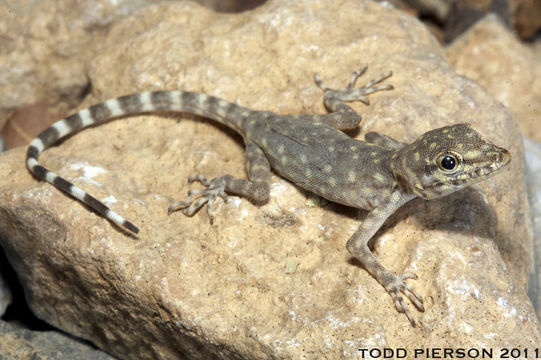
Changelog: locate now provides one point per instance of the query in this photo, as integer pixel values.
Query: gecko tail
(65, 186)
(222, 111)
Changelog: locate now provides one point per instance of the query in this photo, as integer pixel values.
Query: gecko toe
(350, 93)
(402, 307)
(410, 292)
(408, 276)
(197, 198)
(397, 287)
(200, 178)
(355, 75)
(414, 297)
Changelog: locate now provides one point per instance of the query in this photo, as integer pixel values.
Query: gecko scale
(378, 175)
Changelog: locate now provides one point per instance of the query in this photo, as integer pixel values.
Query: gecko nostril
(505, 157)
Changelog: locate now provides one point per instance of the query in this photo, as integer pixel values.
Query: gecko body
(378, 175)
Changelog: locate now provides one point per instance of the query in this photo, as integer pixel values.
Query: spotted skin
(378, 175)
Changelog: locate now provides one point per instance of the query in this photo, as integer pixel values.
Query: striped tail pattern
(222, 111)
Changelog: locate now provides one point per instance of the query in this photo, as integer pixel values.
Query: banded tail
(222, 111)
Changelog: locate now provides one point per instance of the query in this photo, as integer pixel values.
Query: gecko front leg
(357, 245)
(342, 116)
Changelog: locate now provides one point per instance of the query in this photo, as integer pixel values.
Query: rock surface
(44, 52)
(532, 152)
(509, 70)
(19, 343)
(274, 281)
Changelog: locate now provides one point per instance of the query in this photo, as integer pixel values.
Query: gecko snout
(504, 157)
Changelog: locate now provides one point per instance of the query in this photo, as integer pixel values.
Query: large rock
(274, 281)
(510, 71)
(17, 343)
(45, 48)
(532, 152)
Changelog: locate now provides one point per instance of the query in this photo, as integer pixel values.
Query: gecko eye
(449, 162)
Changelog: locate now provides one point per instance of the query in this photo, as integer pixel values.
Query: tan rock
(489, 54)
(274, 281)
(511, 72)
(41, 50)
(45, 47)
(532, 152)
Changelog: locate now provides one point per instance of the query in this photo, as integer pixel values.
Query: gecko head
(447, 159)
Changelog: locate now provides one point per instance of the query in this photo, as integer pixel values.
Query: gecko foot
(398, 286)
(198, 198)
(349, 93)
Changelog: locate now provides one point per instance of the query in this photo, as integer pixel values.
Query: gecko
(378, 175)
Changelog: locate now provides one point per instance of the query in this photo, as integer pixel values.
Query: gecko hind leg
(198, 198)
(256, 189)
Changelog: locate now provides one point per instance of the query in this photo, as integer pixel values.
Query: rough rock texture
(274, 281)
(532, 151)
(45, 48)
(509, 70)
(19, 343)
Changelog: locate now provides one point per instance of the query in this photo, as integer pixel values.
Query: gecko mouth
(501, 159)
